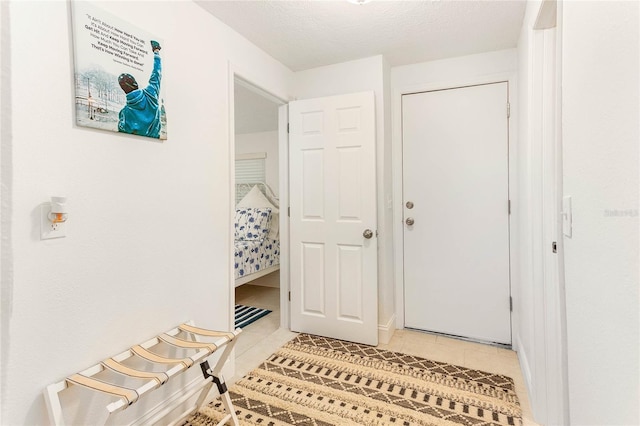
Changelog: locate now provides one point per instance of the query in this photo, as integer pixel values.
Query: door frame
(251, 82)
(483, 107)
(398, 171)
(549, 389)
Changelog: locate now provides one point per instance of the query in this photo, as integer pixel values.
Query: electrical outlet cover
(50, 230)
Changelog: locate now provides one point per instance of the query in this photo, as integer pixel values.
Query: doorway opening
(257, 264)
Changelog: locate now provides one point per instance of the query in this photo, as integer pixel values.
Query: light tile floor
(264, 337)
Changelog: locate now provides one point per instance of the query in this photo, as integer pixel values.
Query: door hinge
(287, 127)
(554, 247)
(289, 296)
(288, 211)
(508, 109)
(510, 304)
(509, 206)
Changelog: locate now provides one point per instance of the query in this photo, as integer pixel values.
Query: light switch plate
(49, 230)
(566, 216)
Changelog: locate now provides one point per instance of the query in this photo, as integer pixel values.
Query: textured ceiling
(253, 113)
(305, 34)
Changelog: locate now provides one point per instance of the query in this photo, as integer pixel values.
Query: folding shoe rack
(185, 337)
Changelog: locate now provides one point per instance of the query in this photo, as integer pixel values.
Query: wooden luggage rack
(184, 337)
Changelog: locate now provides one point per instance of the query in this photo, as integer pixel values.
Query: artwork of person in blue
(141, 114)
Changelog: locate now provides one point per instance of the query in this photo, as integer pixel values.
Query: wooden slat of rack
(187, 344)
(129, 395)
(204, 332)
(172, 371)
(150, 356)
(114, 365)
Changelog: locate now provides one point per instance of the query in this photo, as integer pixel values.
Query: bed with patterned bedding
(257, 244)
(256, 256)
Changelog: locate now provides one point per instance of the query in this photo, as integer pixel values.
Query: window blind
(249, 169)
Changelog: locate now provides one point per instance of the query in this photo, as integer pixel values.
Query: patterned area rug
(245, 315)
(319, 381)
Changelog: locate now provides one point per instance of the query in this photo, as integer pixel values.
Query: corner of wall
(6, 177)
(385, 331)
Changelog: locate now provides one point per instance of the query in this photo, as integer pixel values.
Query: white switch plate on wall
(49, 230)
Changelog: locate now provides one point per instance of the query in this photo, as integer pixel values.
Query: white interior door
(456, 174)
(332, 181)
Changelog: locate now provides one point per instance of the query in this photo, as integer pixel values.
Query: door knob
(409, 204)
(368, 233)
(410, 221)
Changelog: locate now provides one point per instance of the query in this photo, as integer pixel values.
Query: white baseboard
(524, 365)
(385, 331)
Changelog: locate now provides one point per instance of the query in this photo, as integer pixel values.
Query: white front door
(332, 186)
(456, 174)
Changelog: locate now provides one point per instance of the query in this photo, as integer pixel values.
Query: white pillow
(252, 223)
(255, 198)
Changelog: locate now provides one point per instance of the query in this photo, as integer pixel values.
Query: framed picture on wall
(118, 74)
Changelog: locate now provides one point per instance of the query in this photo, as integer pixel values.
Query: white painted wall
(262, 142)
(385, 239)
(473, 69)
(350, 77)
(148, 242)
(454, 70)
(600, 149)
(5, 115)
